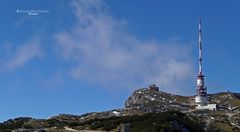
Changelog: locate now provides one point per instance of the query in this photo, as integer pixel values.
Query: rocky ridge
(144, 102)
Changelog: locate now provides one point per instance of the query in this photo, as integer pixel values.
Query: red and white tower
(201, 98)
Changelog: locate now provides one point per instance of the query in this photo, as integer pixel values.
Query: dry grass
(224, 127)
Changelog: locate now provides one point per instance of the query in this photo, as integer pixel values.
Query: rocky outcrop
(154, 100)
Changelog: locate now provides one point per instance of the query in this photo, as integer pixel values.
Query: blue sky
(83, 56)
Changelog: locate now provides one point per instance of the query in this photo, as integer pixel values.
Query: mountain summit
(146, 110)
(158, 101)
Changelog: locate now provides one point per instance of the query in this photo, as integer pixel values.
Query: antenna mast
(200, 48)
(201, 98)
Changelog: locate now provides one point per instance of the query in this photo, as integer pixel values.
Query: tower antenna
(200, 47)
(201, 98)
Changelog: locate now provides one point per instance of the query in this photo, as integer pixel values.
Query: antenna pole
(200, 47)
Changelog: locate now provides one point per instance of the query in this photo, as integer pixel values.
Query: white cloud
(104, 53)
(23, 54)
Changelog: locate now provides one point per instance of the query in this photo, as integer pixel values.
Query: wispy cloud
(104, 53)
(23, 54)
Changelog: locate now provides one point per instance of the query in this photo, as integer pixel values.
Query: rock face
(158, 101)
(146, 109)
